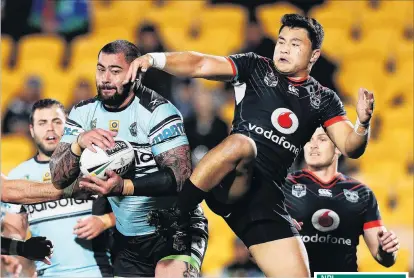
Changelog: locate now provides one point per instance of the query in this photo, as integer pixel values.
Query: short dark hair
(44, 103)
(314, 28)
(129, 49)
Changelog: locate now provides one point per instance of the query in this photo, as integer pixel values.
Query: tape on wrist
(359, 126)
(106, 220)
(159, 60)
(76, 149)
(128, 189)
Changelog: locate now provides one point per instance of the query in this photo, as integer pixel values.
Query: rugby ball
(118, 159)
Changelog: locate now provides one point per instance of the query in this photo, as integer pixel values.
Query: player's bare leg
(236, 153)
(282, 258)
(175, 268)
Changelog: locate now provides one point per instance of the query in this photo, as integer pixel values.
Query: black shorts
(137, 256)
(260, 216)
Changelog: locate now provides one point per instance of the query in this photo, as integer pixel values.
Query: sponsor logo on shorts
(326, 239)
(299, 190)
(325, 192)
(351, 196)
(325, 220)
(268, 134)
(285, 121)
(171, 130)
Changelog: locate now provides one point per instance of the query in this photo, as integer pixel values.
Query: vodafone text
(326, 239)
(268, 134)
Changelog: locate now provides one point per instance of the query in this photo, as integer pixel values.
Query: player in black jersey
(335, 210)
(278, 107)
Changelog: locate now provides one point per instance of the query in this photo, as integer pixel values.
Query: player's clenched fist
(388, 241)
(141, 64)
(104, 139)
(365, 105)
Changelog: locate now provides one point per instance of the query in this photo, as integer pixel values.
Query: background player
(87, 258)
(278, 107)
(155, 129)
(335, 210)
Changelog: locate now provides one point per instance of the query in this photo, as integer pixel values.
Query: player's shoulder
(321, 88)
(21, 170)
(86, 103)
(350, 183)
(294, 177)
(149, 99)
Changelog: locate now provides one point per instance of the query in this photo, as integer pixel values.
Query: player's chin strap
(360, 127)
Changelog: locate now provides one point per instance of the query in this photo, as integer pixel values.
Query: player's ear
(315, 56)
(31, 130)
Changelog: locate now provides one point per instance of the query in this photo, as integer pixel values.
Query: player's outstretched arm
(31, 192)
(352, 140)
(382, 244)
(183, 64)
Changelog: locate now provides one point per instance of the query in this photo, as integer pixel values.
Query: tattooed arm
(64, 164)
(179, 161)
(175, 168)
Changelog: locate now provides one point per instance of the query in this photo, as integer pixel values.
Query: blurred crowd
(207, 112)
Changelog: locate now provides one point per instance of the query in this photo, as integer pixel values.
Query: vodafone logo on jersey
(325, 220)
(285, 121)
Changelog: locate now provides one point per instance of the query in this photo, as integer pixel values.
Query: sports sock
(189, 197)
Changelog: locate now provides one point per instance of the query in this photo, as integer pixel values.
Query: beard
(117, 98)
(44, 149)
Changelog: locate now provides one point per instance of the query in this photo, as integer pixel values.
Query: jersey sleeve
(372, 216)
(166, 129)
(75, 124)
(332, 110)
(243, 65)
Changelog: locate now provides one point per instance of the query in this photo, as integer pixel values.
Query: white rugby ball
(117, 159)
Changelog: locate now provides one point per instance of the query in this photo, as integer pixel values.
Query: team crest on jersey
(351, 196)
(114, 125)
(46, 177)
(133, 129)
(299, 190)
(314, 96)
(93, 123)
(271, 79)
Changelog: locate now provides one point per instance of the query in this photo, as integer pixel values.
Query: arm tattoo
(190, 272)
(64, 166)
(178, 160)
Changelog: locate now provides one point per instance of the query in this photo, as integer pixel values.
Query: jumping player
(278, 107)
(335, 210)
(155, 129)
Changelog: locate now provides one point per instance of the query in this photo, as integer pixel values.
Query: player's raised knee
(242, 145)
